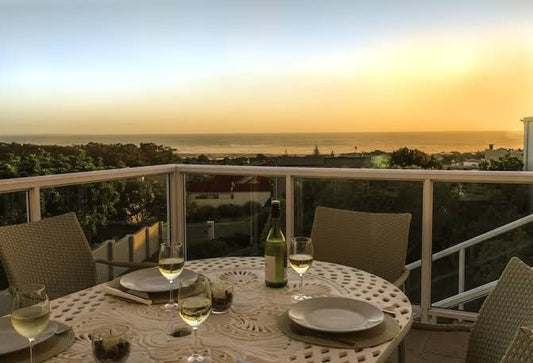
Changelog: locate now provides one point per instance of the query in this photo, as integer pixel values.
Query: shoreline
(293, 144)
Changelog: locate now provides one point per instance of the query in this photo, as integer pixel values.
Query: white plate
(151, 280)
(336, 314)
(11, 341)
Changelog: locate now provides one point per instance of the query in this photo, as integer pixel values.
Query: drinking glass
(301, 258)
(30, 312)
(110, 344)
(194, 303)
(171, 262)
(222, 293)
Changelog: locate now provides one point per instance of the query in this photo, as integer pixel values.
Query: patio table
(248, 331)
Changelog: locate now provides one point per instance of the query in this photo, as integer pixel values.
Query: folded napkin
(116, 289)
(252, 358)
(51, 347)
(379, 334)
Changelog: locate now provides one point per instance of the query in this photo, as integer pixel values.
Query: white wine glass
(30, 312)
(194, 307)
(300, 259)
(171, 262)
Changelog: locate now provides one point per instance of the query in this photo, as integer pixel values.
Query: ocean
(298, 143)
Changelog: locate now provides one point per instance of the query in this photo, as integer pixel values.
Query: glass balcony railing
(465, 225)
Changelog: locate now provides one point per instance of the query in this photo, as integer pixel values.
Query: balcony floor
(435, 347)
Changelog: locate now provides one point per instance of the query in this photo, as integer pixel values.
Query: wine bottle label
(270, 268)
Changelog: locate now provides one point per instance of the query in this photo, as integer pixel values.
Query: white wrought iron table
(248, 331)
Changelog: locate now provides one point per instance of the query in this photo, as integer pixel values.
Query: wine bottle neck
(275, 230)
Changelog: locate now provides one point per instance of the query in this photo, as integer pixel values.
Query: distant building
(495, 154)
(230, 189)
(352, 160)
(298, 160)
(344, 161)
(468, 164)
(528, 142)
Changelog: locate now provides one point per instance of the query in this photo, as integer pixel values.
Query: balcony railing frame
(176, 174)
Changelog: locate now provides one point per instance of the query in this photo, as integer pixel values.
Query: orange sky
(438, 81)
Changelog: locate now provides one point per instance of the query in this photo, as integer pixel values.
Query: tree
(142, 201)
(99, 206)
(203, 158)
(505, 163)
(408, 158)
(316, 151)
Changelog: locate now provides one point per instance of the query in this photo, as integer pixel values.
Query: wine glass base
(301, 297)
(170, 306)
(198, 358)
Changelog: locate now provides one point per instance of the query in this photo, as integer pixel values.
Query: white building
(528, 140)
(217, 190)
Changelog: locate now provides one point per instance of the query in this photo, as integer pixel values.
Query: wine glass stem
(195, 332)
(301, 284)
(171, 289)
(31, 349)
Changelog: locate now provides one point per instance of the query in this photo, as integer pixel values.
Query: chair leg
(401, 352)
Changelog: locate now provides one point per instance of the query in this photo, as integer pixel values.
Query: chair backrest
(374, 242)
(53, 251)
(508, 307)
(521, 349)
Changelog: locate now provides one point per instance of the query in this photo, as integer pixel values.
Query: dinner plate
(151, 280)
(11, 341)
(336, 314)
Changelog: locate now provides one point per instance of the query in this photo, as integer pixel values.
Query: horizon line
(255, 133)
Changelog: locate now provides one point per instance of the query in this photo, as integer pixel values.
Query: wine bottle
(275, 251)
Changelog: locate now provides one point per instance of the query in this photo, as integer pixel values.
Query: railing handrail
(460, 176)
(475, 240)
(414, 175)
(464, 297)
(83, 177)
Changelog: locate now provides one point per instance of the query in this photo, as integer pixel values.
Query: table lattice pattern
(248, 331)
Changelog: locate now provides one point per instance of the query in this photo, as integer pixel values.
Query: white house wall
(238, 198)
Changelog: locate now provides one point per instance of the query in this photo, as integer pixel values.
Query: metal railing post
(462, 263)
(172, 207)
(289, 207)
(180, 216)
(34, 204)
(427, 247)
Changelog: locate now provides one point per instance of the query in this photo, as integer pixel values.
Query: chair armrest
(127, 264)
(400, 281)
(442, 327)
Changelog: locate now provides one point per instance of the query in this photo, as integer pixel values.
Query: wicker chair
(374, 242)
(521, 349)
(52, 251)
(508, 307)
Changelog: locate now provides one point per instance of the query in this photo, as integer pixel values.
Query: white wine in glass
(171, 263)
(30, 312)
(194, 303)
(301, 259)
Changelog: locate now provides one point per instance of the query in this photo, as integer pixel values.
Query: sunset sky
(130, 66)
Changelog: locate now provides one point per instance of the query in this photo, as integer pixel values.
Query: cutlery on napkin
(252, 358)
(61, 328)
(108, 289)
